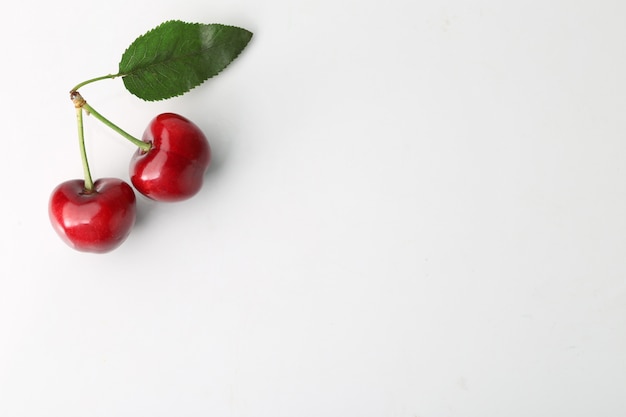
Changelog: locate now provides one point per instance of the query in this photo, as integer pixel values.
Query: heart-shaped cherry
(173, 169)
(96, 220)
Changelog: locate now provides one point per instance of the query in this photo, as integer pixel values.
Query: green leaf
(177, 56)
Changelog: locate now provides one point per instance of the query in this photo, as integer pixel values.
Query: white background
(416, 209)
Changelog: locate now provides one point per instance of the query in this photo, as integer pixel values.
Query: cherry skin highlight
(174, 168)
(95, 221)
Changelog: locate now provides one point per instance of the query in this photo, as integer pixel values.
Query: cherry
(96, 220)
(173, 168)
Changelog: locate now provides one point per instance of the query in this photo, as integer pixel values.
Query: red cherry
(173, 169)
(93, 221)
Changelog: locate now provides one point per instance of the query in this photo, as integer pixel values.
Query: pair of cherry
(100, 217)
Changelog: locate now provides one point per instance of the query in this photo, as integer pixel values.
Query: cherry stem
(144, 146)
(83, 152)
(104, 77)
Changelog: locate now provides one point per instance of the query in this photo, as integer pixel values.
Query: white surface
(416, 210)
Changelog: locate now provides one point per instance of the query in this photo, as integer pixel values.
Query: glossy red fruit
(174, 168)
(93, 221)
